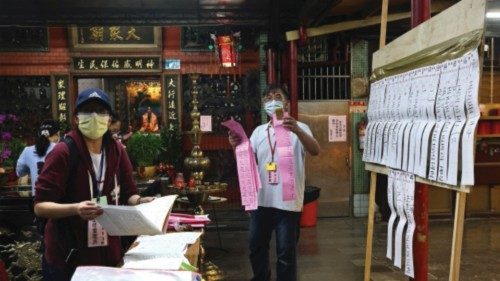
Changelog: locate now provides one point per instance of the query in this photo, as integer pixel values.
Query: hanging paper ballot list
(423, 121)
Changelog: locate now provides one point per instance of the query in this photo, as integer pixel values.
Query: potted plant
(10, 147)
(143, 150)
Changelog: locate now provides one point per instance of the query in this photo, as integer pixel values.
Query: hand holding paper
(144, 219)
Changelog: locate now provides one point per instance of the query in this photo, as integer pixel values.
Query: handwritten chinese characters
(400, 197)
(149, 64)
(171, 90)
(337, 128)
(62, 86)
(423, 121)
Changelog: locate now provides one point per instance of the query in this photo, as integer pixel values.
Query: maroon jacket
(51, 185)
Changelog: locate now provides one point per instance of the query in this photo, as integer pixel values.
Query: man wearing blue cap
(87, 169)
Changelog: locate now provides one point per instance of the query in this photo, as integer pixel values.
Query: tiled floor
(335, 250)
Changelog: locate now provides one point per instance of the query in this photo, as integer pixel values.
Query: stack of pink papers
(248, 176)
(286, 161)
(195, 221)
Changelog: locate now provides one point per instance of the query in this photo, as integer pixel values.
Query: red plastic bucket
(309, 215)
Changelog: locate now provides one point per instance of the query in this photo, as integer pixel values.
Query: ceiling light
(493, 15)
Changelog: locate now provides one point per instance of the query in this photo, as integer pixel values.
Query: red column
(420, 12)
(292, 51)
(421, 236)
(271, 66)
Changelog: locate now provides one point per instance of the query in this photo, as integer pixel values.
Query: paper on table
(160, 251)
(400, 193)
(102, 273)
(409, 202)
(392, 218)
(286, 161)
(165, 263)
(148, 218)
(248, 176)
(188, 219)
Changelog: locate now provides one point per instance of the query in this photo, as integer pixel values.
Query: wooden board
(478, 200)
(436, 30)
(495, 200)
(458, 232)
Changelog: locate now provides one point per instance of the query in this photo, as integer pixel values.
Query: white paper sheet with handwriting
(390, 224)
(409, 203)
(471, 84)
(399, 191)
(423, 121)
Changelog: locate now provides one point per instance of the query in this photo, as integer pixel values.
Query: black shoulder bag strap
(62, 225)
(73, 161)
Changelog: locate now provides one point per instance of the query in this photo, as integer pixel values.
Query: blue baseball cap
(94, 94)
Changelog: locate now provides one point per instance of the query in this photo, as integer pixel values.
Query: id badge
(103, 200)
(271, 166)
(97, 236)
(272, 177)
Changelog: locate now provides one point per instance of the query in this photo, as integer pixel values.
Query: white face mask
(93, 125)
(271, 106)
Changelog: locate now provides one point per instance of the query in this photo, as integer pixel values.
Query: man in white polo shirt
(273, 213)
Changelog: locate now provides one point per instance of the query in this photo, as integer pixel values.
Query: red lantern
(227, 48)
(227, 53)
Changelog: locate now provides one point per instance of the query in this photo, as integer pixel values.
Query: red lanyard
(273, 148)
